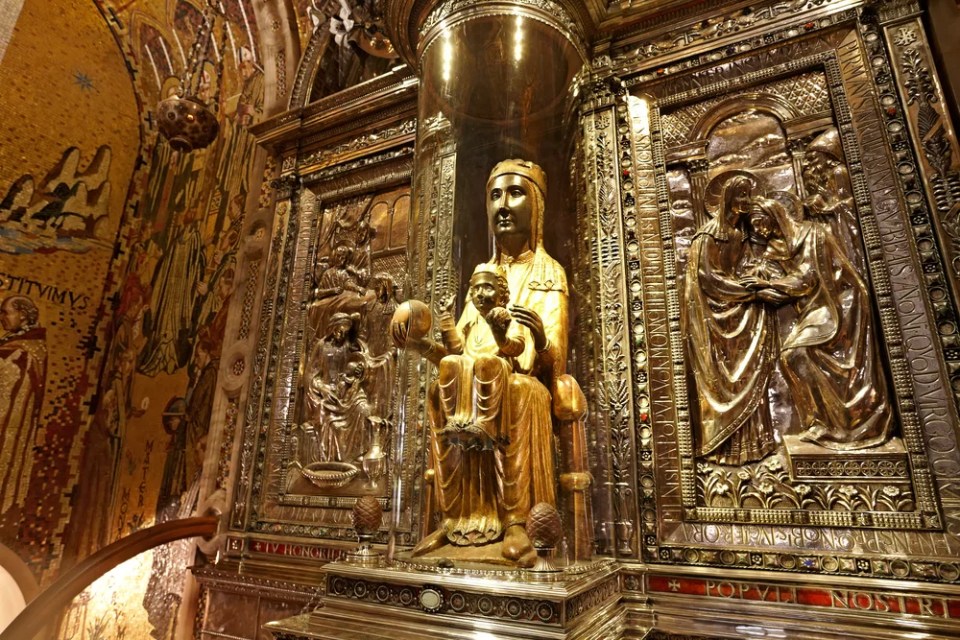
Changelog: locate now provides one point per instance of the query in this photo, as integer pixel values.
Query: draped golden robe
(482, 492)
(731, 349)
(831, 356)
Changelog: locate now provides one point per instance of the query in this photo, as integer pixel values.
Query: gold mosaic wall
(68, 150)
(126, 250)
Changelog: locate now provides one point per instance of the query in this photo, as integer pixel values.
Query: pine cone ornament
(544, 526)
(367, 515)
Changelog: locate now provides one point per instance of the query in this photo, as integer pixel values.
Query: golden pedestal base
(396, 603)
(812, 463)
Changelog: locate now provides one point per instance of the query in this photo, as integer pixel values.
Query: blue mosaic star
(83, 81)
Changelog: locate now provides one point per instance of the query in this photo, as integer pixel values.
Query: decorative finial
(545, 531)
(367, 517)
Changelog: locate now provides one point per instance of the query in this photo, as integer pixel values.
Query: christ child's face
(484, 291)
(354, 373)
(341, 256)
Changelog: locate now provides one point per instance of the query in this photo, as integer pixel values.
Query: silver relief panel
(796, 135)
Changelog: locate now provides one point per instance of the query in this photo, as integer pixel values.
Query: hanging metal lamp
(186, 120)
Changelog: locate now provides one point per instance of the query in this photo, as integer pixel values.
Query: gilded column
(602, 169)
(933, 135)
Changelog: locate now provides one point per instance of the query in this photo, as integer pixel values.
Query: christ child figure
(488, 339)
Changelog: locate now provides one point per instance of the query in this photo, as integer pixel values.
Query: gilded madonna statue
(495, 460)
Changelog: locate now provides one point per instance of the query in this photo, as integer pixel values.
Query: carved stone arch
(307, 68)
(139, 20)
(321, 47)
(172, 8)
(280, 47)
(18, 586)
(761, 102)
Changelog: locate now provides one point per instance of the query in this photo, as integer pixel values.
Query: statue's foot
(814, 433)
(464, 432)
(517, 546)
(475, 437)
(455, 425)
(432, 542)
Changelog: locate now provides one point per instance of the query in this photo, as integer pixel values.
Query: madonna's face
(762, 223)
(339, 333)
(510, 205)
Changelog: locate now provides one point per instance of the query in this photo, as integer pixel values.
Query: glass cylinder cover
(497, 82)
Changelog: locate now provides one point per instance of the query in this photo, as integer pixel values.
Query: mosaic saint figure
(170, 322)
(237, 143)
(218, 280)
(23, 371)
(203, 388)
(174, 480)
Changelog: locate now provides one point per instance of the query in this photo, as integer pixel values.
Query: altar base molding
(583, 603)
